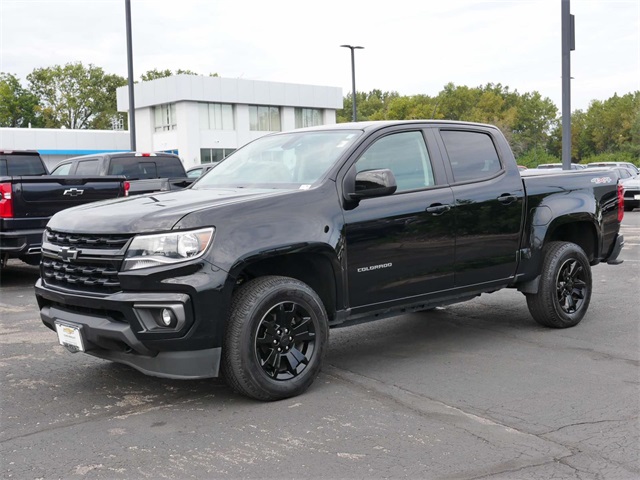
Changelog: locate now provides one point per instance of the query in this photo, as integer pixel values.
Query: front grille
(86, 241)
(94, 269)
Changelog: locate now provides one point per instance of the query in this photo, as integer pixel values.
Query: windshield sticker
(305, 187)
(601, 180)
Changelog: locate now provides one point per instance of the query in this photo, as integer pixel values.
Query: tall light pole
(354, 117)
(132, 112)
(568, 44)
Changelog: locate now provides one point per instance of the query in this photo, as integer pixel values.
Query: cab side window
(87, 167)
(406, 155)
(62, 169)
(473, 155)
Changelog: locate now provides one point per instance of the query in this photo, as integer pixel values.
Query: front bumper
(632, 198)
(123, 327)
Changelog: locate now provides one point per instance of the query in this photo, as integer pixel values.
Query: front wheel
(564, 291)
(276, 338)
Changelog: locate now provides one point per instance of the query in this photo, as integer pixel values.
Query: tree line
(67, 96)
(609, 130)
(79, 96)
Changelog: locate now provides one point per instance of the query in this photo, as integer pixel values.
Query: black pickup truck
(29, 197)
(245, 272)
(146, 172)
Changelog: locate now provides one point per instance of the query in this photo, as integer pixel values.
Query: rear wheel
(564, 291)
(276, 338)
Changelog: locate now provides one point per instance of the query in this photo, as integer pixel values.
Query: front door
(401, 245)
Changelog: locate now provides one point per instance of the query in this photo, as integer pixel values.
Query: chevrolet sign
(73, 192)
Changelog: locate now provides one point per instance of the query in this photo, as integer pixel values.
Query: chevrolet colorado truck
(29, 196)
(244, 273)
(145, 172)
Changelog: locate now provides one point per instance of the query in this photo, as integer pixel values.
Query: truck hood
(149, 213)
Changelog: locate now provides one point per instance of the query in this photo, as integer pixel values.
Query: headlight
(166, 248)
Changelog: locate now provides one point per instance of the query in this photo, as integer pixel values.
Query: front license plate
(70, 336)
(636, 197)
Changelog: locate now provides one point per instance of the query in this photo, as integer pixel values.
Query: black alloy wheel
(564, 286)
(276, 337)
(285, 341)
(571, 286)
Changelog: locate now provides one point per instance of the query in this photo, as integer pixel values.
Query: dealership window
(213, 155)
(263, 118)
(165, 117)
(216, 116)
(308, 117)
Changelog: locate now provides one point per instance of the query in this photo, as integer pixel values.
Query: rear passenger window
(472, 155)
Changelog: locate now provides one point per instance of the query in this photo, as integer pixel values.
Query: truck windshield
(287, 160)
(21, 165)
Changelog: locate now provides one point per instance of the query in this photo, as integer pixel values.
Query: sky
(411, 46)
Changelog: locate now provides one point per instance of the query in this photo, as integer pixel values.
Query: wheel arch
(317, 266)
(578, 229)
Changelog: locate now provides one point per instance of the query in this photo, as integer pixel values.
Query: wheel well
(582, 234)
(311, 268)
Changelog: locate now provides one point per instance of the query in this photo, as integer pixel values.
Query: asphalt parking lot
(475, 390)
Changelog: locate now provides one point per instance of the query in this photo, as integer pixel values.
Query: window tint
(472, 155)
(22, 165)
(405, 154)
(62, 169)
(134, 168)
(87, 167)
(169, 167)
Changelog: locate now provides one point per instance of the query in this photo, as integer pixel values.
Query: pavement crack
(577, 424)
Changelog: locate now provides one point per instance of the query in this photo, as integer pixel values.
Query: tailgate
(47, 195)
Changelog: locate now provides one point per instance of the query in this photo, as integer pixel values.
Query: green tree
(74, 96)
(155, 74)
(18, 106)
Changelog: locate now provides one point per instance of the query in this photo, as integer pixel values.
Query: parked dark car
(245, 272)
(146, 172)
(29, 197)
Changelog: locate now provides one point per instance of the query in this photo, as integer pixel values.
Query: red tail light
(6, 202)
(620, 202)
(127, 186)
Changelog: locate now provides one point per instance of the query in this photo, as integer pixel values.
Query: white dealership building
(200, 118)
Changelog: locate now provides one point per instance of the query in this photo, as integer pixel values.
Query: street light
(353, 79)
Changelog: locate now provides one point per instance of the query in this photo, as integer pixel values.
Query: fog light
(168, 317)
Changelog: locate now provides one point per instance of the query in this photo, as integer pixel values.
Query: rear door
(401, 245)
(489, 202)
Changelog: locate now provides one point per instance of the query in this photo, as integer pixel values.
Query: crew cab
(29, 197)
(245, 272)
(146, 172)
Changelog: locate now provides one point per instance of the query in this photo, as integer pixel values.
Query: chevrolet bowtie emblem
(66, 254)
(73, 192)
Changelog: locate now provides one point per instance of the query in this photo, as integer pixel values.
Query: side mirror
(373, 183)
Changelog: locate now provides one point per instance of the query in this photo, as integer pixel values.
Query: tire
(276, 337)
(628, 208)
(564, 291)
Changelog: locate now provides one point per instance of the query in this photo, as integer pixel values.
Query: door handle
(506, 199)
(438, 209)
